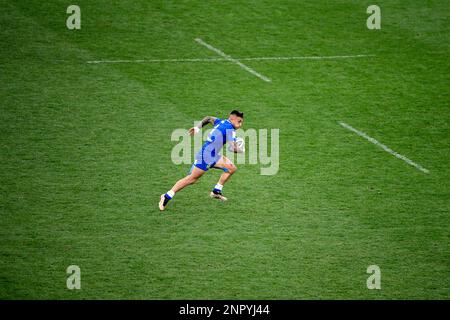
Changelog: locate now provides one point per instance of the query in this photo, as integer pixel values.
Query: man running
(209, 157)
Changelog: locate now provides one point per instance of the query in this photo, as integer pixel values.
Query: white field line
(385, 148)
(240, 59)
(158, 60)
(229, 58)
(309, 57)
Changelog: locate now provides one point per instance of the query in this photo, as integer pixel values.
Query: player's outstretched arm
(204, 122)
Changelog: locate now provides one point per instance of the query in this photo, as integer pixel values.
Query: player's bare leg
(190, 179)
(180, 184)
(230, 168)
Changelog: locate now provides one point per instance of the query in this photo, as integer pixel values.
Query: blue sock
(169, 194)
(218, 188)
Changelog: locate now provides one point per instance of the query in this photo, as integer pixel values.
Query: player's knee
(192, 179)
(232, 169)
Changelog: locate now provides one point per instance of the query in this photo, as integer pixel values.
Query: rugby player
(209, 157)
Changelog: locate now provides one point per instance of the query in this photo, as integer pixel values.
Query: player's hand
(234, 148)
(193, 130)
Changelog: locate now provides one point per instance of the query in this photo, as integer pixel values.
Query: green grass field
(86, 150)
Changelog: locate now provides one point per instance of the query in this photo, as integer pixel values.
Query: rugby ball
(240, 144)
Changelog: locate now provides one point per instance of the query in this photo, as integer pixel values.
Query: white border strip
(241, 59)
(385, 148)
(229, 58)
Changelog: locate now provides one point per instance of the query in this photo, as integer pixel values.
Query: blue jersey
(222, 133)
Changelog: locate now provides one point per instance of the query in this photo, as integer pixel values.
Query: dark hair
(237, 113)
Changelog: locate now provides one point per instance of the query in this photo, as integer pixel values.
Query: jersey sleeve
(217, 121)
